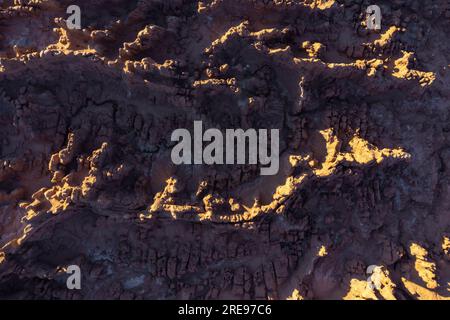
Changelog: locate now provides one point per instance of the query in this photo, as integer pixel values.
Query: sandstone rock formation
(86, 177)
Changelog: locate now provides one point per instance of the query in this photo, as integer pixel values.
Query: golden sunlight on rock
(360, 290)
(422, 293)
(322, 251)
(335, 184)
(425, 268)
(362, 152)
(215, 208)
(378, 286)
(402, 70)
(446, 245)
(295, 295)
(387, 37)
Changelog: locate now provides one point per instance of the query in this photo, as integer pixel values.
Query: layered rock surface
(86, 176)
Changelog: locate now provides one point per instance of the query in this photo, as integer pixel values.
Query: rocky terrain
(86, 176)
